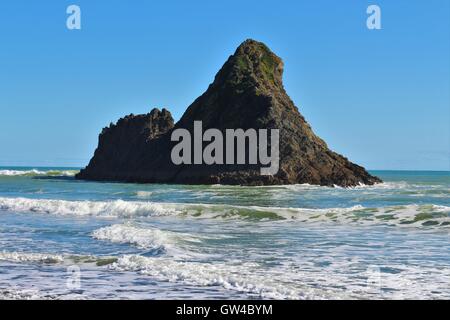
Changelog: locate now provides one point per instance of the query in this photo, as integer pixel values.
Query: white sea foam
(161, 241)
(35, 172)
(390, 185)
(292, 280)
(144, 194)
(404, 215)
(240, 277)
(22, 294)
(142, 238)
(48, 258)
(31, 257)
(20, 172)
(117, 208)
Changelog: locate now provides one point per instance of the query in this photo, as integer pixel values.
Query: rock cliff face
(246, 93)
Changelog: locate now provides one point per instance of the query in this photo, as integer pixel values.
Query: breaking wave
(423, 215)
(117, 208)
(35, 172)
(153, 239)
(242, 277)
(239, 277)
(288, 281)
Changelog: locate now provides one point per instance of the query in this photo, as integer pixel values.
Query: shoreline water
(229, 242)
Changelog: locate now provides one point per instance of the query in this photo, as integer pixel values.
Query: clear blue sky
(382, 98)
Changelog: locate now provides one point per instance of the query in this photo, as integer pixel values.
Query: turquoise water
(61, 238)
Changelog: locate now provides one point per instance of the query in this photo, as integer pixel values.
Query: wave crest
(426, 215)
(35, 172)
(157, 240)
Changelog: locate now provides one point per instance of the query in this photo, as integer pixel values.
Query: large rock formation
(246, 93)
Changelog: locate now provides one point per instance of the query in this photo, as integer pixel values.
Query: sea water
(61, 238)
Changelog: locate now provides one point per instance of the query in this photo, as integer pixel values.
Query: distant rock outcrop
(246, 93)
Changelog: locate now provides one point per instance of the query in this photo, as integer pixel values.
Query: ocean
(61, 238)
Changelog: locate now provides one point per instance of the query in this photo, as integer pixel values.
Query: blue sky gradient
(380, 97)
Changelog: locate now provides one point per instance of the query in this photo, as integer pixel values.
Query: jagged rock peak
(252, 64)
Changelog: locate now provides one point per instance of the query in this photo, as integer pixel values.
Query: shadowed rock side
(246, 93)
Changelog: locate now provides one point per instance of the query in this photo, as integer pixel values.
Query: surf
(413, 215)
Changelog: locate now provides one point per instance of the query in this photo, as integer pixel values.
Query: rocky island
(246, 93)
